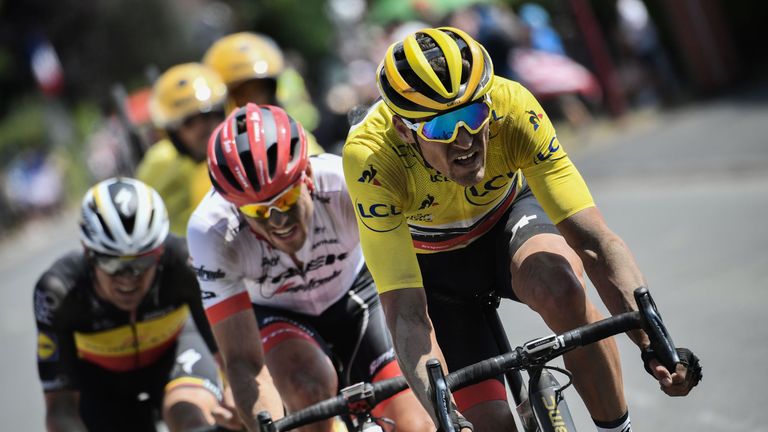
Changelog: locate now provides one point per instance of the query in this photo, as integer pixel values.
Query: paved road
(688, 191)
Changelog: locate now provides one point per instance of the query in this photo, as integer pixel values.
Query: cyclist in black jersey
(122, 335)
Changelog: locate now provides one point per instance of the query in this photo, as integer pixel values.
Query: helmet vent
(105, 227)
(270, 139)
(224, 168)
(295, 141)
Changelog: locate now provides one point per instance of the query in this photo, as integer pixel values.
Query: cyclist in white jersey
(277, 251)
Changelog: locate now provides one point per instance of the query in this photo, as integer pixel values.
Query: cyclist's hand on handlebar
(686, 376)
(226, 414)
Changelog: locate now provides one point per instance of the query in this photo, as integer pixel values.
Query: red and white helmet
(256, 153)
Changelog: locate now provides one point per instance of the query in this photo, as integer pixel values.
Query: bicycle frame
(539, 407)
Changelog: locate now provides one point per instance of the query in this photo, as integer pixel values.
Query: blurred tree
(296, 25)
(98, 42)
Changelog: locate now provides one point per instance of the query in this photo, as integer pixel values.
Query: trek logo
(290, 287)
(485, 193)
(534, 118)
(208, 275)
(369, 176)
(324, 242)
(308, 267)
(552, 148)
(429, 201)
(207, 295)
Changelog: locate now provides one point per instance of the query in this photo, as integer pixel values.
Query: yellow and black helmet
(244, 56)
(183, 91)
(411, 88)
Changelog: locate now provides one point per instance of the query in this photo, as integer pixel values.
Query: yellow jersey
(180, 181)
(404, 207)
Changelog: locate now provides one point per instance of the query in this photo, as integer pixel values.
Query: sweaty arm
(414, 339)
(243, 355)
(607, 260)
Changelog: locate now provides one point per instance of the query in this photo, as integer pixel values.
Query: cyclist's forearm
(615, 274)
(253, 391)
(415, 343)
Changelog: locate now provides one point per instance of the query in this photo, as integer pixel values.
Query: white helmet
(123, 217)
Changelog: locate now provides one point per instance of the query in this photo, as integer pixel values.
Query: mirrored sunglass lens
(444, 126)
(283, 204)
(117, 265)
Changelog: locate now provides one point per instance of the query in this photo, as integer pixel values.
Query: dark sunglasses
(126, 265)
(217, 114)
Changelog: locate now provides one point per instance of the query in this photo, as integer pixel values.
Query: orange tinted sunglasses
(282, 202)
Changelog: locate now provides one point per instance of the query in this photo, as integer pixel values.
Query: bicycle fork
(514, 377)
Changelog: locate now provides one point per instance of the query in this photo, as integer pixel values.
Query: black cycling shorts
(352, 332)
(454, 280)
(132, 400)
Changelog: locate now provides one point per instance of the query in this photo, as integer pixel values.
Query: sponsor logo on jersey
(291, 287)
(47, 347)
(324, 242)
(552, 149)
(429, 201)
(489, 191)
(438, 178)
(379, 217)
(208, 275)
(319, 229)
(534, 119)
(406, 153)
(45, 305)
(420, 217)
(314, 264)
(369, 176)
(270, 261)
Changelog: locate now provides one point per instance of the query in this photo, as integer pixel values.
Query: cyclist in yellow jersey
(187, 103)
(253, 67)
(462, 190)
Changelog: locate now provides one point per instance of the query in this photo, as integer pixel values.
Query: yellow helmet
(411, 88)
(243, 56)
(185, 90)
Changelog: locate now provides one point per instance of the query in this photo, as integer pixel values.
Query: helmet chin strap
(418, 148)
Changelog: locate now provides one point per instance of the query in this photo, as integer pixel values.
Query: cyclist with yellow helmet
(187, 103)
(462, 190)
(254, 69)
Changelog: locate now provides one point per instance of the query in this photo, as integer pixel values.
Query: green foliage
(22, 128)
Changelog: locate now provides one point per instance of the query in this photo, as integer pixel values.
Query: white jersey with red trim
(236, 267)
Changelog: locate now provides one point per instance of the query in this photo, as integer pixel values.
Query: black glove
(458, 421)
(687, 359)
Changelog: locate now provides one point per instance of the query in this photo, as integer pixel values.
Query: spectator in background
(187, 103)
(542, 36)
(33, 184)
(646, 70)
(253, 68)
